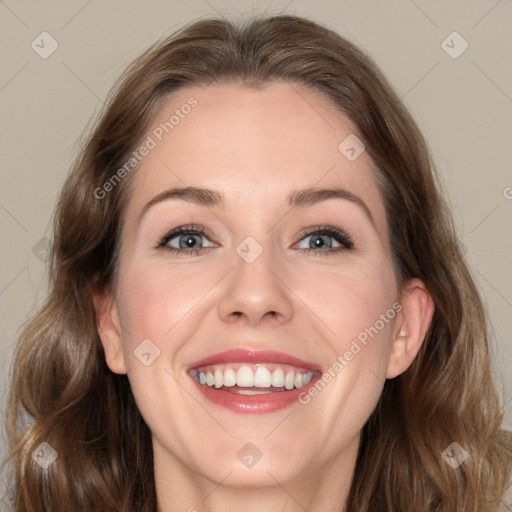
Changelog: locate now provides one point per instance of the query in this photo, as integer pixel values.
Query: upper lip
(255, 356)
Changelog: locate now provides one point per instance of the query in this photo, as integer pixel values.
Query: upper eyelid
(181, 230)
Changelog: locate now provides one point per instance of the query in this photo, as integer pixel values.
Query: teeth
(278, 378)
(219, 379)
(251, 391)
(289, 381)
(253, 376)
(229, 378)
(262, 378)
(245, 377)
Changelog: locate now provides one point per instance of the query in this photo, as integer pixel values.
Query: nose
(256, 292)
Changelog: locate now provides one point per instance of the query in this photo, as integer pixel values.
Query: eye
(189, 240)
(326, 239)
(185, 239)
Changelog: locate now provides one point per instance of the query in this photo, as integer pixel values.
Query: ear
(109, 330)
(413, 324)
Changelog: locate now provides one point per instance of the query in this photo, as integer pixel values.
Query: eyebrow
(296, 199)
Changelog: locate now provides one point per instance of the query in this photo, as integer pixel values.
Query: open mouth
(251, 379)
(257, 382)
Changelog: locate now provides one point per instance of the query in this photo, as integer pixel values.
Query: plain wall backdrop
(460, 96)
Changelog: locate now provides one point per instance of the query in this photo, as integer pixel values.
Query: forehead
(254, 145)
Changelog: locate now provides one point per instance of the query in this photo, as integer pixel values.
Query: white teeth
(289, 381)
(262, 378)
(253, 376)
(245, 377)
(229, 378)
(219, 378)
(278, 378)
(249, 391)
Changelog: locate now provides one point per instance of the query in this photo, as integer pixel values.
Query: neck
(323, 488)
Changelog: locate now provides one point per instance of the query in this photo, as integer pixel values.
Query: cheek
(154, 299)
(352, 301)
(159, 303)
(359, 308)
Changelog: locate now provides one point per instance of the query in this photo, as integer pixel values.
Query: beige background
(464, 106)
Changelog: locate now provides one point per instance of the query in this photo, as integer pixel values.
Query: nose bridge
(255, 288)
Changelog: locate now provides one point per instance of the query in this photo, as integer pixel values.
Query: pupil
(318, 241)
(190, 241)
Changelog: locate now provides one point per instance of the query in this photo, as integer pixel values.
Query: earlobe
(108, 325)
(417, 312)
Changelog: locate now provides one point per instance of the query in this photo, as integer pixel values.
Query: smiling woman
(269, 312)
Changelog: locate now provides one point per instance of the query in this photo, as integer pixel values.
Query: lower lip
(254, 404)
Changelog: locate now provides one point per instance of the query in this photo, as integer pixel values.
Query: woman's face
(273, 283)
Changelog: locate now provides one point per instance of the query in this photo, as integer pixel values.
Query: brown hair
(88, 414)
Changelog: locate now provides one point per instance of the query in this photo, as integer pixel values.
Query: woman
(257, 300)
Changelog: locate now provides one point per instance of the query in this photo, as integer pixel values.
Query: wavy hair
(88, 415)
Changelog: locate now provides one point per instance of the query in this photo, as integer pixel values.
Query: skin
(255, 146)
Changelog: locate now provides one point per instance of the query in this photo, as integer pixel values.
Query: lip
(254, 404)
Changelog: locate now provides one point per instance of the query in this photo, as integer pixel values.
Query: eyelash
(340, 236)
